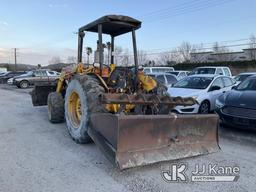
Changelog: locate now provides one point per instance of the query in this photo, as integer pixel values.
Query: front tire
(55, 104)
(204, 107)
(80, 101)
(24, 84)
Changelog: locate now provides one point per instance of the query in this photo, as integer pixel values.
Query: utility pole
(15, 59)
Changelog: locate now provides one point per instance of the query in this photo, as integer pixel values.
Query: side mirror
(214, 88)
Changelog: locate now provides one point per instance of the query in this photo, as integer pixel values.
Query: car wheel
(204, 107)
(24, 84)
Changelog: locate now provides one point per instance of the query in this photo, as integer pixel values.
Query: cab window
(219, 71)
(227, 72)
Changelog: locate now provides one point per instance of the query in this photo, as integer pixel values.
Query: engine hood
(244, 99)
(175, 92)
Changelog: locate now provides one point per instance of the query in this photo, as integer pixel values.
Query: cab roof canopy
(113, 25)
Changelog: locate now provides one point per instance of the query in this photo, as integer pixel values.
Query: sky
(42, 29)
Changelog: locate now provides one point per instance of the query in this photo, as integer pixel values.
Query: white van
(148, 70)
(211, 70)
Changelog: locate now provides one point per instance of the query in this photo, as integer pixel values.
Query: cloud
(4, 23)
(52, 5)
(35, 56)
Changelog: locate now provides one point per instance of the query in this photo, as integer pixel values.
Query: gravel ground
(36, 155)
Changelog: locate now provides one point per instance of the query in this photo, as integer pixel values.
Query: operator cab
(113, 25)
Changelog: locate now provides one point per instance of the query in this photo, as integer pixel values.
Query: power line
(201, 44)
(183, 8)
(199, 49)
(168, 9)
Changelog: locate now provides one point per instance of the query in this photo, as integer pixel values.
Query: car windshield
(248, 84)
(241, 77)
(174, 72)
(194, 83)
(203, 71)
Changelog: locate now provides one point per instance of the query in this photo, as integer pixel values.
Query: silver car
(32, 77)
(164, 78)
(204, 88)
(179, 74)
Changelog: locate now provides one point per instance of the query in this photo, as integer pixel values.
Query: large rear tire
(55, 104)
(81, 101)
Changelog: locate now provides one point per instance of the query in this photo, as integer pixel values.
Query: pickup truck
(32, 77)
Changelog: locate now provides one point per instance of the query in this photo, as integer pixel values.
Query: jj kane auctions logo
(210, 173)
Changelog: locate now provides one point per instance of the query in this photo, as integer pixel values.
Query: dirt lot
(36, 155)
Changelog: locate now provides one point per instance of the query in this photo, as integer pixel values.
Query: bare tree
(71, 60)
(221, 53)
(252, 41)
(142, 57)
(170, 58)
(118, 55)
(164, 58)
(216, 47)
(185, 49)
(55, 60)
(125, 58)
(252, 47)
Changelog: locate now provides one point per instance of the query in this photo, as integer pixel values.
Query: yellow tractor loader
(125, 112)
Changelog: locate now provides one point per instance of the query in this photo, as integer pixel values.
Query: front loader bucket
(136, 140)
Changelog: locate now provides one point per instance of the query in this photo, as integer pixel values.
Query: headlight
(195, 97)
(219, 104)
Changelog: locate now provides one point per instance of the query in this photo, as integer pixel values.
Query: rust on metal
(137, 140)
(145, 99)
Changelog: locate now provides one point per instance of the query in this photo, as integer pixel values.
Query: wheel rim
(24, 84)
(74, 109)
(204, 108)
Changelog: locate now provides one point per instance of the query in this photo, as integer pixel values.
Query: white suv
(211, 70)
(148, 70)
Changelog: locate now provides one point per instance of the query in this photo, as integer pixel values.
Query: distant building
(245, 55)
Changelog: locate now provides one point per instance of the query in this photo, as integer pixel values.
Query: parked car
(204, 88)
(53, 73)
(211, 70)
(49, 73)
(242, 76)
(10, 81)
(148, 70)
(10, 74)
(179, 74)
(165, 78)
(237, 107)
(32, 77)
(3, 73)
